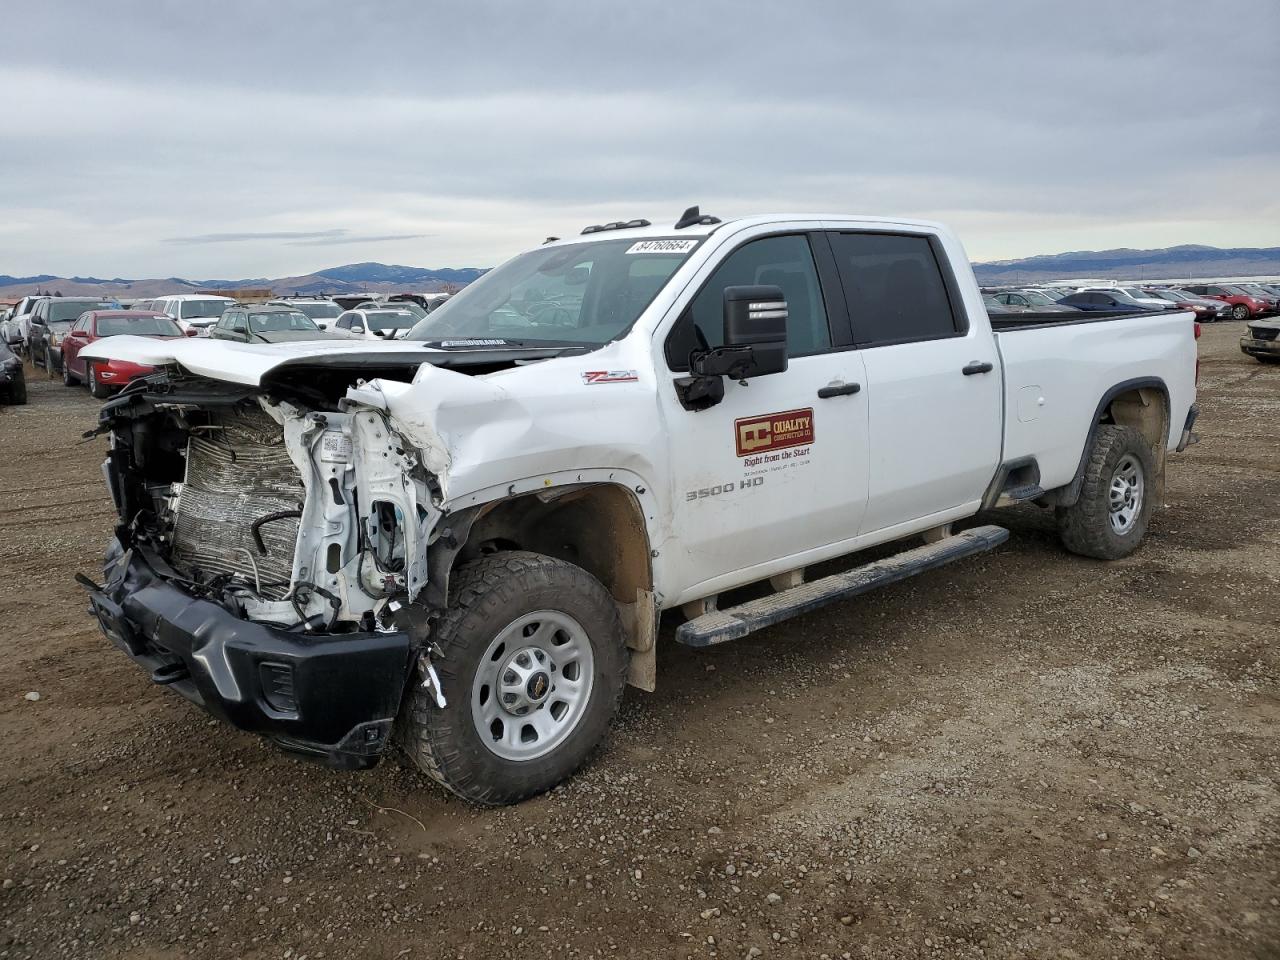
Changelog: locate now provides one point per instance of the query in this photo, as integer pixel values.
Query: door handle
(977, 366)
(838, 390)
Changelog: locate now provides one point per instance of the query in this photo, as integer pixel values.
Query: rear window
(894, 288)
(138, 327)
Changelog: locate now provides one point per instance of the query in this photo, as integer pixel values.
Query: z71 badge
(610, 376)
(794, 428)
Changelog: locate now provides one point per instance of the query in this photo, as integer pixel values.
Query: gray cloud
(300, 238)
(486, 126)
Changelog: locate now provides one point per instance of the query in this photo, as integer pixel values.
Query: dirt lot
(1023, 755)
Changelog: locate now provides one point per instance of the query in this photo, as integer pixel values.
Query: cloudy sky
(242, 139)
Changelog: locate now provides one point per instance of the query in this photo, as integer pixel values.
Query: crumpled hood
(243, 363)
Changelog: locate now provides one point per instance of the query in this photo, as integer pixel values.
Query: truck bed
(1059, 374)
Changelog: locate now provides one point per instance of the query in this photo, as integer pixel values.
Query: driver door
(777, 471)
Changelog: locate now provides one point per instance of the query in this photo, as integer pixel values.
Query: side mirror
(357, 328)
(755, 344)
(193, 332)
(755, 335)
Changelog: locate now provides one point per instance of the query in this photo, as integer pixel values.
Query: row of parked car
(1209, 302)
(53, 331)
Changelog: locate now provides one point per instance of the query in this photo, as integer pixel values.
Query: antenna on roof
(693, 217)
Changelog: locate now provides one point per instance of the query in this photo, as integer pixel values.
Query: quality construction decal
(774, 431)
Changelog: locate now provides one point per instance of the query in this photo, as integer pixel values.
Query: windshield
(277, 321)
(390, 319)
(319, 311)
(587, 293)
(202, 308)
(138, 326)
(67, 310)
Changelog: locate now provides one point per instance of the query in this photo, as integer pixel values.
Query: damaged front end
(270, 545)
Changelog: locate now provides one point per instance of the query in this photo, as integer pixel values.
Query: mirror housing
(356, 328)
(755, 345)
(755, 335)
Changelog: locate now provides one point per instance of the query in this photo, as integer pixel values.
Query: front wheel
(68, 378)
(95, 387)
(1110, 519)
(48, 363)
(533, 669)
(1239, 312)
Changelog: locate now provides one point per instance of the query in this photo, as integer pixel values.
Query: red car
(1243, 304)
(105, 376)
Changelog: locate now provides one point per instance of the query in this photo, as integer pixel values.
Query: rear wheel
(1109, 520)
(1239, 312)
(533, 669)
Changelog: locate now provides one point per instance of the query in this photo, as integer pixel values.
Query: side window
(785, 262)
(344, 322)
(239, 323)
(894, 287)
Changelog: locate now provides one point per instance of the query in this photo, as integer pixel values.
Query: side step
(719, 626)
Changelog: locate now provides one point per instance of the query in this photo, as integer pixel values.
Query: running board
(719, 626)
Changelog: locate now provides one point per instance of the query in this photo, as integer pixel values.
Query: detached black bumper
(330, 697)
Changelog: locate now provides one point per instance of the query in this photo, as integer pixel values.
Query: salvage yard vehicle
(192, 311)
(1262, 340)
(377, 323)
(105, 377)
(462, 542)
(50, 322)
(322, 311)
(248, 324)
(13, 379)
(20, 317)
(1243, 305)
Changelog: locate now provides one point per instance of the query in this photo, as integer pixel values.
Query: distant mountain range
(348, 278)
(1168, 263)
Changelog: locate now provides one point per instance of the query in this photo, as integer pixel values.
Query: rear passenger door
(933, 379)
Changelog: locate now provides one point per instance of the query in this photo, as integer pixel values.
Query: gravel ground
(1026, 754)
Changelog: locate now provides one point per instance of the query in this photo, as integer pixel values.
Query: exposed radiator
(236, 475)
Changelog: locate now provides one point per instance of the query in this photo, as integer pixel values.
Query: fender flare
(1069, 494)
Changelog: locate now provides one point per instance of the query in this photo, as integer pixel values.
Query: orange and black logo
(794, 428)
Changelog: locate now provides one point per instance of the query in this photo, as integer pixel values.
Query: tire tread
(426, 734)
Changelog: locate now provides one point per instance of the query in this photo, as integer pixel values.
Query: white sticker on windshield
(663, 246)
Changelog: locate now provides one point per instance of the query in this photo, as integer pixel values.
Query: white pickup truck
(463, 542)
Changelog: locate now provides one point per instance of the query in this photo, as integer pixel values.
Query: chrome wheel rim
(1125, 494)
(93, 380)
(533, 685)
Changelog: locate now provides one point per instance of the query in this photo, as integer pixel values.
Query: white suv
(193, 311)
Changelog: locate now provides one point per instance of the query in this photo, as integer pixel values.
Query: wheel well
(1145, 409)
(598, 527)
